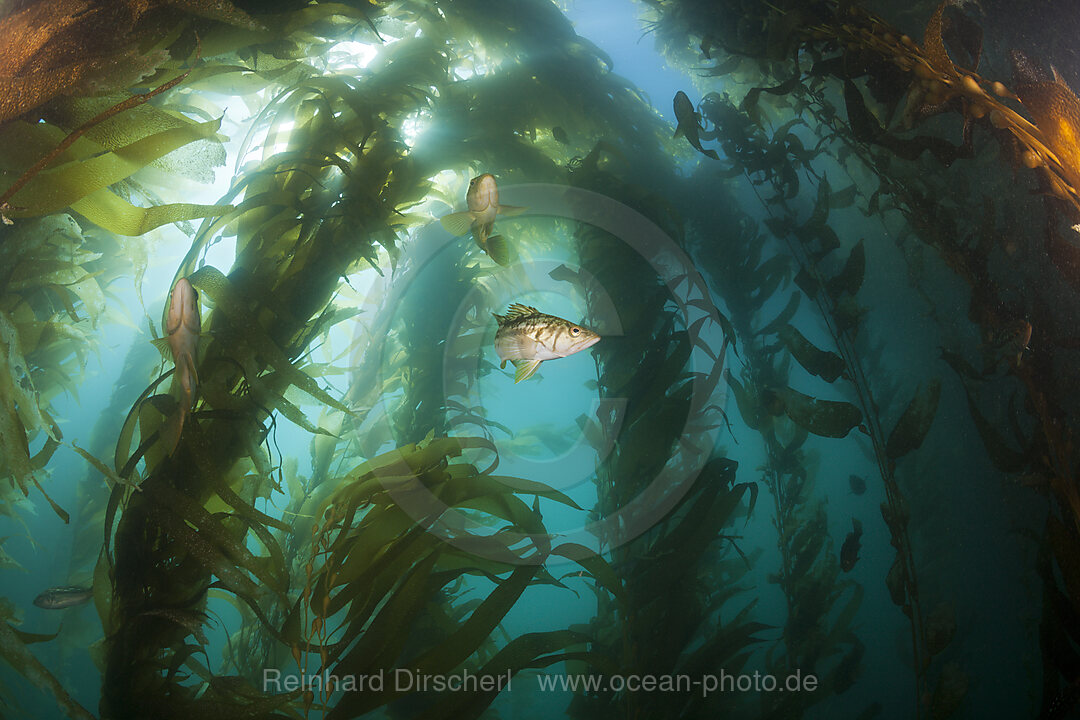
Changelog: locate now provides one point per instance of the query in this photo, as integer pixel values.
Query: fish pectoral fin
(162, 344)
(458, 223)
(525, 369)
(497, 249)
(511, 210)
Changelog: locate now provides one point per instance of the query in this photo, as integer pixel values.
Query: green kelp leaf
(104, 469)
(749, 407)
(16, 452)
(595, 565)
(57, 188)
(195, 161)
(263, 394)
(531, 650)
(826, 365)
(17, 387)
(807, 283)
(467, 638)
(784, 317)
(7, 562)
(29, 638)
(380, 646)
(9, 612)
(820, 216)
(850, 278)
(211, 280)
(914, 424)
(732, 638)
(24, 662)
(492, 483)
(112, 212)
(828, 418)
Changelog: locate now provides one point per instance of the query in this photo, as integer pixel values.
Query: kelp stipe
(818, 632)
(693, 549)
(847, 44)
(344, 594)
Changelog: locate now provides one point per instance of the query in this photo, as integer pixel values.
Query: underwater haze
(586, 359)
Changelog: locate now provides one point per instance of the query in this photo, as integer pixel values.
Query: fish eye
(575, 331)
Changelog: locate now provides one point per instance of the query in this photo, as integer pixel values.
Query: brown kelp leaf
(934, 46)
(784, 317)
(963, 33)
(220, 10)
(940, 628)
(949, 693)
(843, 198)
(807, 283)
(531, 650)
(828, 418)
(823, 363)
(1001, 453)
(911, 428)
(850, 278)
(896, 582)
(1056, 111)
(864, 125)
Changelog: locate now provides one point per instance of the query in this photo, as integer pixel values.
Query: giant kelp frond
(377, 569)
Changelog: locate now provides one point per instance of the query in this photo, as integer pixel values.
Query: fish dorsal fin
(517, 310)
(525, 369)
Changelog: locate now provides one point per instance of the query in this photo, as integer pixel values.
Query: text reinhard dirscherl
(405, 680)
(401, 680)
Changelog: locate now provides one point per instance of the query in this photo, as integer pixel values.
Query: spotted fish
(483, 200)
(527, 337)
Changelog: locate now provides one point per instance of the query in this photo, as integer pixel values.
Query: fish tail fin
(856, 525)
(458, 223)
(497, 249)
(679, 132)
(525, 369)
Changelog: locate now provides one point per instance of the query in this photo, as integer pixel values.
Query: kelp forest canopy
(843, 387)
